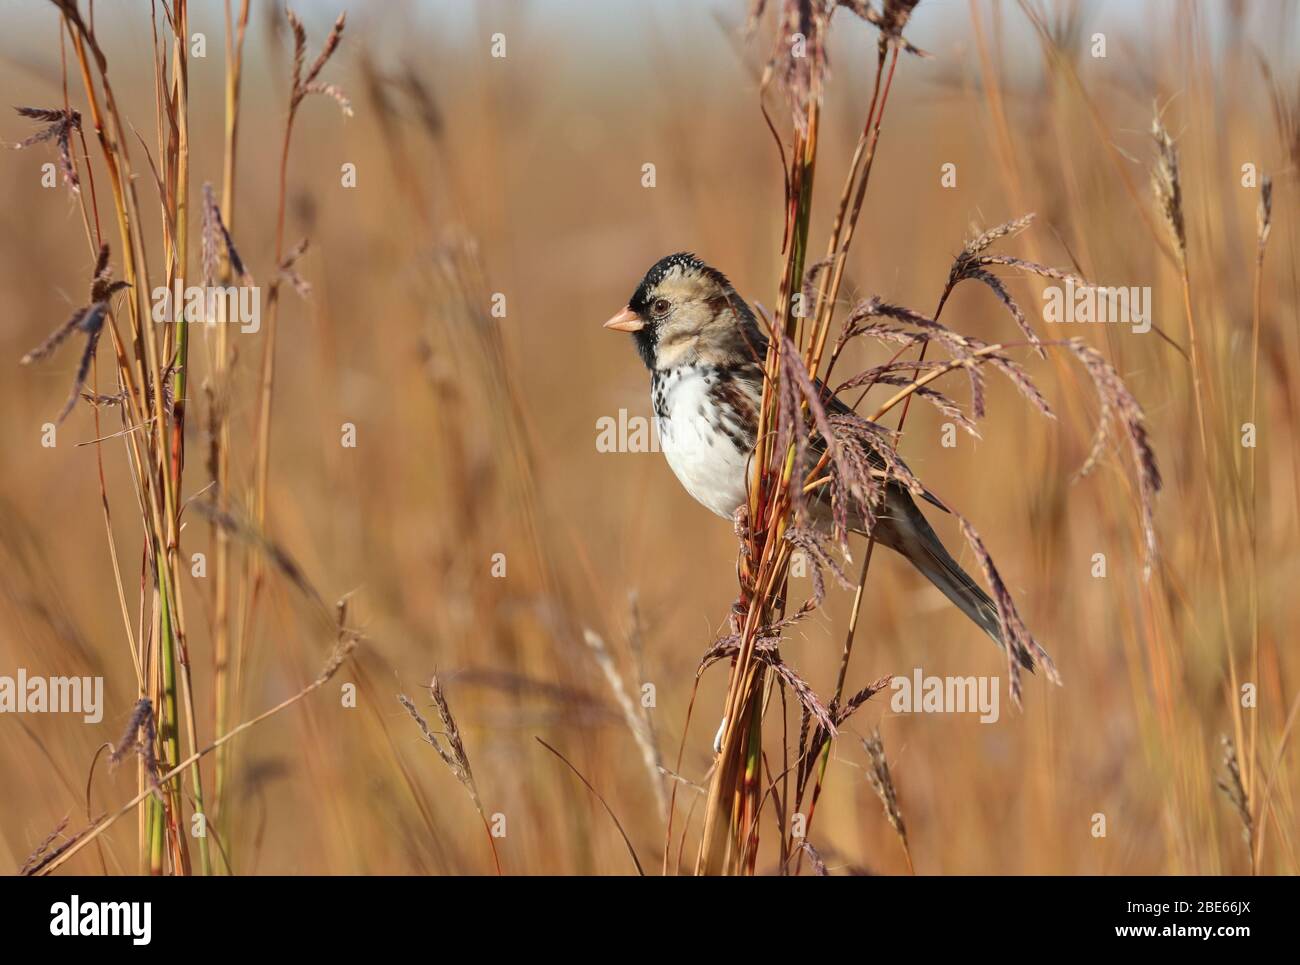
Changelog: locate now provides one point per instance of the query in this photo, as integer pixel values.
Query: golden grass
(476, 437)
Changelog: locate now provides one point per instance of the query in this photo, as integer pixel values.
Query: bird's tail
(912, 537)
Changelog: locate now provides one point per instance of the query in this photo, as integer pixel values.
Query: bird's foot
(737, 616)
(740, 523)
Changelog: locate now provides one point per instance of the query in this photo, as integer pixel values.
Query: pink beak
(625, 321)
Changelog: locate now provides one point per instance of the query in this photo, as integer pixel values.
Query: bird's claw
(740, 523)
(737, 616)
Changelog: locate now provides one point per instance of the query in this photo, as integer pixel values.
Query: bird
(705, 350)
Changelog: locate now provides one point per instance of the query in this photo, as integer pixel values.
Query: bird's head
(686, 313)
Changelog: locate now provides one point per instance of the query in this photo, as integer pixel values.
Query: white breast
(705, 458)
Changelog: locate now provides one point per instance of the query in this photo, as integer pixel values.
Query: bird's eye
(660, 306)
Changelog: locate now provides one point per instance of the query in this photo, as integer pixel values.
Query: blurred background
(476, 435)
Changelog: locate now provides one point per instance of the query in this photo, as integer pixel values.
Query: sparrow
(705, 350)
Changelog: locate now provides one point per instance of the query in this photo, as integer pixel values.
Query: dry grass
(476, 435)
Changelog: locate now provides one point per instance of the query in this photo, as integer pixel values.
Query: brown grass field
(476, 530)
